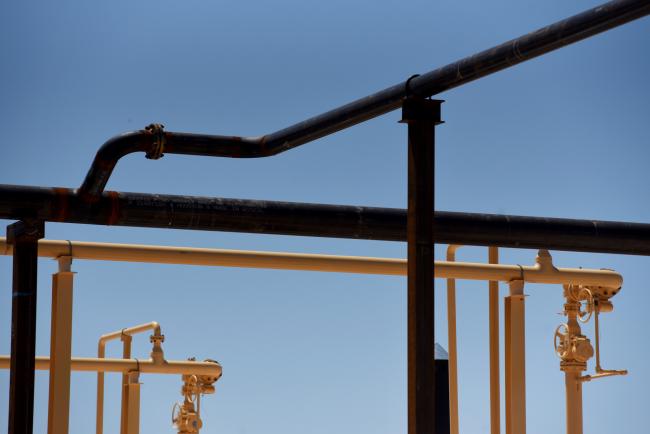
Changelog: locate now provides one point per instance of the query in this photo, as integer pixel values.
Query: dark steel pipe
(421, 115)
(513, 52)
(24, 236)
(318, 220)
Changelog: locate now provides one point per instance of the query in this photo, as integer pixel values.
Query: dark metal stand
(421, 115)
(442, 396)
(24, 236)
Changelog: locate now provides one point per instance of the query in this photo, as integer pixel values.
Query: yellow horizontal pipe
(539, 273)
(153, 325)
(89, 364)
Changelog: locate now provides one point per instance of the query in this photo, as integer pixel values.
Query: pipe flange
(158, 146)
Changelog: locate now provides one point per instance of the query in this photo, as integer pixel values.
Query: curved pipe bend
(175, 143)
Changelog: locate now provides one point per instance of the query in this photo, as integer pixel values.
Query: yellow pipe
(453, 351)
(542, 272)
(90, 364)
(101, 351)
(153, 325)
(495, 384)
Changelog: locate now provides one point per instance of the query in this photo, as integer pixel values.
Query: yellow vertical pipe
(515, 358)
(126, 354)
(495, 385)
(451, 334)
(60, 349)
(573, 402)
(99, 421)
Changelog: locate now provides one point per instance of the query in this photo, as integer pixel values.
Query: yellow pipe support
(495, 384)
(542, 272)
(515, 359)
(453, 351)
(90, 364)
(131, 401)
(58, 411)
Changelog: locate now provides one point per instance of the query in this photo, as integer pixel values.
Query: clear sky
(564, 135)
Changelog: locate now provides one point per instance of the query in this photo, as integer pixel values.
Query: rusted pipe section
(320, 220)
(155, 142)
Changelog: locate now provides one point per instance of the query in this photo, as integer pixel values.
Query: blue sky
(564, 135)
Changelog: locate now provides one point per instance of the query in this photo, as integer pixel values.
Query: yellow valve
(572, 348)
(186, 417)
(575, 349)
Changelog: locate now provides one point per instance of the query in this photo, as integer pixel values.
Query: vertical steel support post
(495, 383)
(515, 359)
(60, 348)
(24, 236)
(421, 115)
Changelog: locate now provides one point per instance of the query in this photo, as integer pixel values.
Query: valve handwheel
(561, 340)
(583, 294)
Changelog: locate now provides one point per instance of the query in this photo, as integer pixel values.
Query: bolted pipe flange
(159, 141)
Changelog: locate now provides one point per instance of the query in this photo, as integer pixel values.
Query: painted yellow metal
(60, 348)
(542, 272)
(575, 349)
(515, 359)
(92, 364)
(125, 335)
(573, 387)
(186, 416)
(453, 349)
(602, 285)
(127, 340)
(131, 404)
(495, 385)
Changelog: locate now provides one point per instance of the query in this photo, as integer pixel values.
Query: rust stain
(115, 207)
(60, 203)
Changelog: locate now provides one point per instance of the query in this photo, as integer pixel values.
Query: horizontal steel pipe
(318, 220)
(313, 262)
(90, 364)
(154, 142)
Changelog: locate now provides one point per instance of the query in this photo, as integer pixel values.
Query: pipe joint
(157, 149)
(544, 261)
(157, 355)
